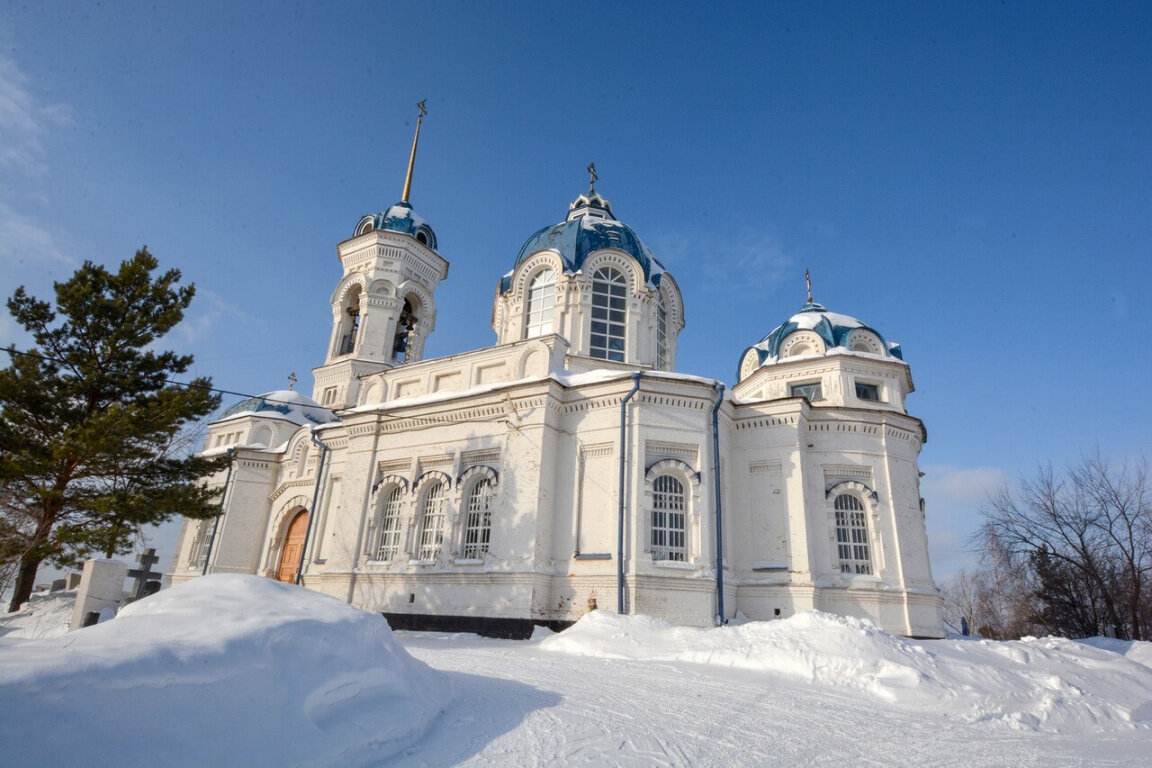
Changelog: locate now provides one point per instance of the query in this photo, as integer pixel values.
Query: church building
(568, 467)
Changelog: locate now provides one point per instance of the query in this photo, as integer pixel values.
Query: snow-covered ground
(245, 671)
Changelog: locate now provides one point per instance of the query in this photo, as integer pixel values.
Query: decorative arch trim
(621, 261)
(388, 480)
(529, 267)
(481, 470)
(346, 285)
(850, 486)
(432, 474)
(672, 466)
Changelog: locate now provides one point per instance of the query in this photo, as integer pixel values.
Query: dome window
(540, 303)
(366, 226)
(609, 315)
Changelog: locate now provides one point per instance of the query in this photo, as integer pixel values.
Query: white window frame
(802, 389)
(391, 528)
(853, 539)
(432, 521)
(608, 337)
(668, 529)
(478, 519)
(540, 303)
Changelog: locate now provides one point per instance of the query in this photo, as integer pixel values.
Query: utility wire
(186, 384)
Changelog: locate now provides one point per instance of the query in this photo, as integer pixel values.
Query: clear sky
(974, 180)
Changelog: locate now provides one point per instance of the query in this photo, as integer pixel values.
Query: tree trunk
(25, 581)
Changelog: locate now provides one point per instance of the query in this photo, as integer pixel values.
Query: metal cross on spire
(412, 157)
(808, 282)
(292, 380)
(592, 177)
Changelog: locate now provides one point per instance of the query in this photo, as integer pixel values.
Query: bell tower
(383, 307)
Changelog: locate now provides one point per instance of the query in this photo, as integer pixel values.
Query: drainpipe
(315, 499)
(721, 619)
(223, 507)
(620, 532)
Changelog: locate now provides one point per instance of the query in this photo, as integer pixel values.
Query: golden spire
(412, 157)
(808, 282)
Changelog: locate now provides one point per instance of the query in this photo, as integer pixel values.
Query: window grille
(661, 335)
(668, 541)
(478, 527)
(852, 535)
(432, 523)
(389, 542)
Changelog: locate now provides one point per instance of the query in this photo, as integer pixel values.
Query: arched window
(609, 314)
(404, 326)
(852, 535)
(668, 541)
(432, 523)
(661, 334)
(388, 544)
(539, 302)
(478, 526)
(350, 323)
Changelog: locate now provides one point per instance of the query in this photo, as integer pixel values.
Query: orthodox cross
(592, 177)
(292, 380)
(144, 573)
(808, 282)
(420, 106)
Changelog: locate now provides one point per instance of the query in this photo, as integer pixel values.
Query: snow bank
(46, 614)
(1046, 684)
(223, 670)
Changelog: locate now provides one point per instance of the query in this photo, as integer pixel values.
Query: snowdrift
(223, 670)
(1048, 684)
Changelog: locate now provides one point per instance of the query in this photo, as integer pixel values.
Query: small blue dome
(282, 404)
(398, 218)
(590, 227)
(833, 328)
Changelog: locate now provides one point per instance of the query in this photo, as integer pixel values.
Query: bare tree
(1084, 537)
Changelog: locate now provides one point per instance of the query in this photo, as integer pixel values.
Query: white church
(568, 467)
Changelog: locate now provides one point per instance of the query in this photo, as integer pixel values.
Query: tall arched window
(404, 326)
(539, 302)
(350, 323)
(388, 544)
(478, 526)
(432, 523)
(661, 334)
(668, 541)
(609, 314)
(852, 535)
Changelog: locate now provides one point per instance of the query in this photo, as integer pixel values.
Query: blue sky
(974, 180)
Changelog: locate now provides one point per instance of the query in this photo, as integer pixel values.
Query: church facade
(568, 467)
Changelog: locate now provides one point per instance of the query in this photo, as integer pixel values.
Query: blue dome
(282, 404)
(833, 328)
(398, 218)
(590, 227)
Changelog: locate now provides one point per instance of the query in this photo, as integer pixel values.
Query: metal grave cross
(144, 573)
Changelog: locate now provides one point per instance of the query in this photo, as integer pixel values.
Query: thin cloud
(961, 485)
(24, 123)
(23, 241)
(742, 262)
(207, 311)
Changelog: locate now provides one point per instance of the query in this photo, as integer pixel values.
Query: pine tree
(91, 429)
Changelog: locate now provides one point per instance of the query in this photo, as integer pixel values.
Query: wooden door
(293, 543)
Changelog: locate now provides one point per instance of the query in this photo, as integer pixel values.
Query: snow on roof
(284, 404)
(274, 674)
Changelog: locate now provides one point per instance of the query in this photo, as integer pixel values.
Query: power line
(186, 384)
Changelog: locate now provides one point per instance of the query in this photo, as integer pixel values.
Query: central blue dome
(590, 227)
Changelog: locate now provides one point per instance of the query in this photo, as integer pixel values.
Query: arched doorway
(293, 543)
